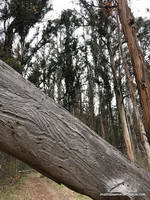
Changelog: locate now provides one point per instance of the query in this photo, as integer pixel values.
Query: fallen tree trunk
(41, 133)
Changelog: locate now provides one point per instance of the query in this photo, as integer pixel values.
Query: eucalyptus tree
(138, 61)
(68, 54)
(18, 17)
(135, 112)
(60, 51)
(107, 68)
(143, 34)
(96, 62)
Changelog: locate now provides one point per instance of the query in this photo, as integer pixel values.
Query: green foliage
(143, 27)
(18, 17)
(26, 13)
(34, 76)
(10, 60)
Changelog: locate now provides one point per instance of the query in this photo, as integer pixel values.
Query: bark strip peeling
(41, 133)
(137, 58)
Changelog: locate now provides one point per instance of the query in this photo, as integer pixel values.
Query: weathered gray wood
(41, 133)
(118, 196)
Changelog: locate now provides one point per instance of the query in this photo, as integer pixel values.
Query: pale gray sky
(59, 5)
(138, 6)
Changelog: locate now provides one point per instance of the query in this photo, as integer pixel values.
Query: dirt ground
(37, 187)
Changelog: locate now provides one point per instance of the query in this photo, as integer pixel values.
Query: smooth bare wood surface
(41, 133)
(118, 196)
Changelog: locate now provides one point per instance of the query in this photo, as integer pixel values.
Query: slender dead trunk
(145, 141)
(127, 136)
(36, 130)
(91, 114)
(113, 135)
(137, 113)
(139, 65)
(126, 132)
(121, 110)
(102, 129)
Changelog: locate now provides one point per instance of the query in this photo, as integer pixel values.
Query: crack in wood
(122, 183)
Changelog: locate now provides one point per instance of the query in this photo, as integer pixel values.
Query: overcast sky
(138, 6)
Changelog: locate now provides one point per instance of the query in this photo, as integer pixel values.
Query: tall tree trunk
(9, 34)
(102, 129)
(137, 113)
(126, 133)
(41, 133)
(90, 93)
(121, 110)
(132, 92)
(113, 135)
(139, 65)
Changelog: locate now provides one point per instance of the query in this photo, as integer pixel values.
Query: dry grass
(37, 187)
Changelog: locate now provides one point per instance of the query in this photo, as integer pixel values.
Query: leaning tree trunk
(139, 65)
(44, 135)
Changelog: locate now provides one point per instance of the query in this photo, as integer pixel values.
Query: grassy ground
(9, 192)
(36, 187)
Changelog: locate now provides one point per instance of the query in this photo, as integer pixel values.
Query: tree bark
(139, 65)
(36, 130)
(121, 110)
(137, 112)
